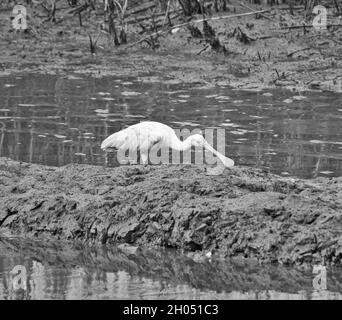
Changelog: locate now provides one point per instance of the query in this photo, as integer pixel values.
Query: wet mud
(242, 213)
(250, 52)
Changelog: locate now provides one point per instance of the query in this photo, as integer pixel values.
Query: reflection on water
(61, 272)
(57, 120)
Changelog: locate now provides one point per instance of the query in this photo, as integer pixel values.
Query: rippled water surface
(60, 272)
(56, 120)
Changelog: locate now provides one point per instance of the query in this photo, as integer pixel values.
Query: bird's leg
(144, 158)
(132, 162)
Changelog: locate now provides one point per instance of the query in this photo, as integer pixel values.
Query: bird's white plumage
(145, 135)
(142, 135)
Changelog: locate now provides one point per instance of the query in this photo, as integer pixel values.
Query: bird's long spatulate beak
(226, 161)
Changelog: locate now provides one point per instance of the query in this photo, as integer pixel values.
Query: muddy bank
(251, 52)
(243, 213)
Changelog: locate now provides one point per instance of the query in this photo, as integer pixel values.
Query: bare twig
(306, 26)
(166, 13)
(203, 49)
(92, 44)
(259, 56)
(195, 21)
(337, 7)
(249, 8)
(278, 75)
(296, 51)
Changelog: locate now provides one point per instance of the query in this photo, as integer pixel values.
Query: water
(59, 272)
(56, 120)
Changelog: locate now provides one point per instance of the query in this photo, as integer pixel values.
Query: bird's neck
(181, 145)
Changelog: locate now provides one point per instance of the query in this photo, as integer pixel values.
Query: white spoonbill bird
(146, 134)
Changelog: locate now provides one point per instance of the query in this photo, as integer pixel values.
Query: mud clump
(244, 212)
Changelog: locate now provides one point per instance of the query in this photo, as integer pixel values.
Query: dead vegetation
(261, 35)
(137, 22)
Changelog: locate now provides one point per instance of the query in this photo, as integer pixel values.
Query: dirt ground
(254, 51)
(243, 213)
